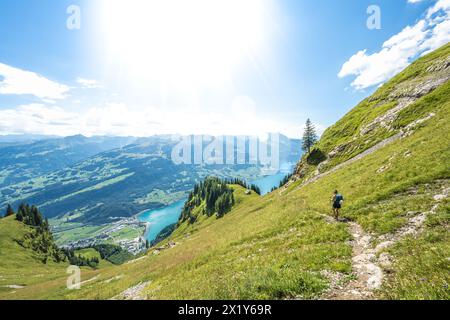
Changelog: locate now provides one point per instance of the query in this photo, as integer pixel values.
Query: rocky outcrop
(409, 92)
(405, 94)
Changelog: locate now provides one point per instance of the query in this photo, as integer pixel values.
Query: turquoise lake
(158, 219)
(267, 183)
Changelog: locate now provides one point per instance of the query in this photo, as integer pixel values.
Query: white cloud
(35, 118)
(439, 5)
(88, 83)
(118, 119)
(401, 49)
(20, 82)
(414, 1)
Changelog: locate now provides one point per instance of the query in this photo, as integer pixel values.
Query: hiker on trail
(337, 201)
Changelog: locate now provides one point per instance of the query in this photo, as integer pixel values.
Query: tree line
(40, 239)
(283, 182)
(244, 184)
(81, 261)
(214, 193)
(112, 253)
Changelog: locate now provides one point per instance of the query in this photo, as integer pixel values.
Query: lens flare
(188, 43)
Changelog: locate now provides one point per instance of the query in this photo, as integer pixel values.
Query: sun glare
(193, 42)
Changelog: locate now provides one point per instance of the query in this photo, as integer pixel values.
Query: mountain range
(85, 185)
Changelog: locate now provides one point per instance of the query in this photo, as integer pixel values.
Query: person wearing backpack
(337, 201)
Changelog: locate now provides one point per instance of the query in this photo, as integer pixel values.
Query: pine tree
(36, 217)
(9, 211)
(309, 136)
(21, 214)
(46, 225)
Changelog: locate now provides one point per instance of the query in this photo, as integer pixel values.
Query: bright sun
(184, 42)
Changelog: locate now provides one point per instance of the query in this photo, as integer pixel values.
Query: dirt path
(367, 275)
(368, 260)
(133, 293)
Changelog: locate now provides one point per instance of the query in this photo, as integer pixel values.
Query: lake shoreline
(156, 220)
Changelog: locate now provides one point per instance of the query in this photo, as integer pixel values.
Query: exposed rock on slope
(380, 118)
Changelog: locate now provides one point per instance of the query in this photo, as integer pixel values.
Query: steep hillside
(28, 258)
(389, 157)
(395, 110)
(19, 266)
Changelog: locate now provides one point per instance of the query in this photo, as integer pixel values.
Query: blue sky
(139, 67)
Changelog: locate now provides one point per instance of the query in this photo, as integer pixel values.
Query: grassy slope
(277, 246)
(423, 267)
(19, 266)
(346, 131)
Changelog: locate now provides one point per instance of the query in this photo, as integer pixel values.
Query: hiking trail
(369, 260)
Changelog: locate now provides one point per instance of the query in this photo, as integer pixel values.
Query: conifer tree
(309, 137)
(9, 211)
